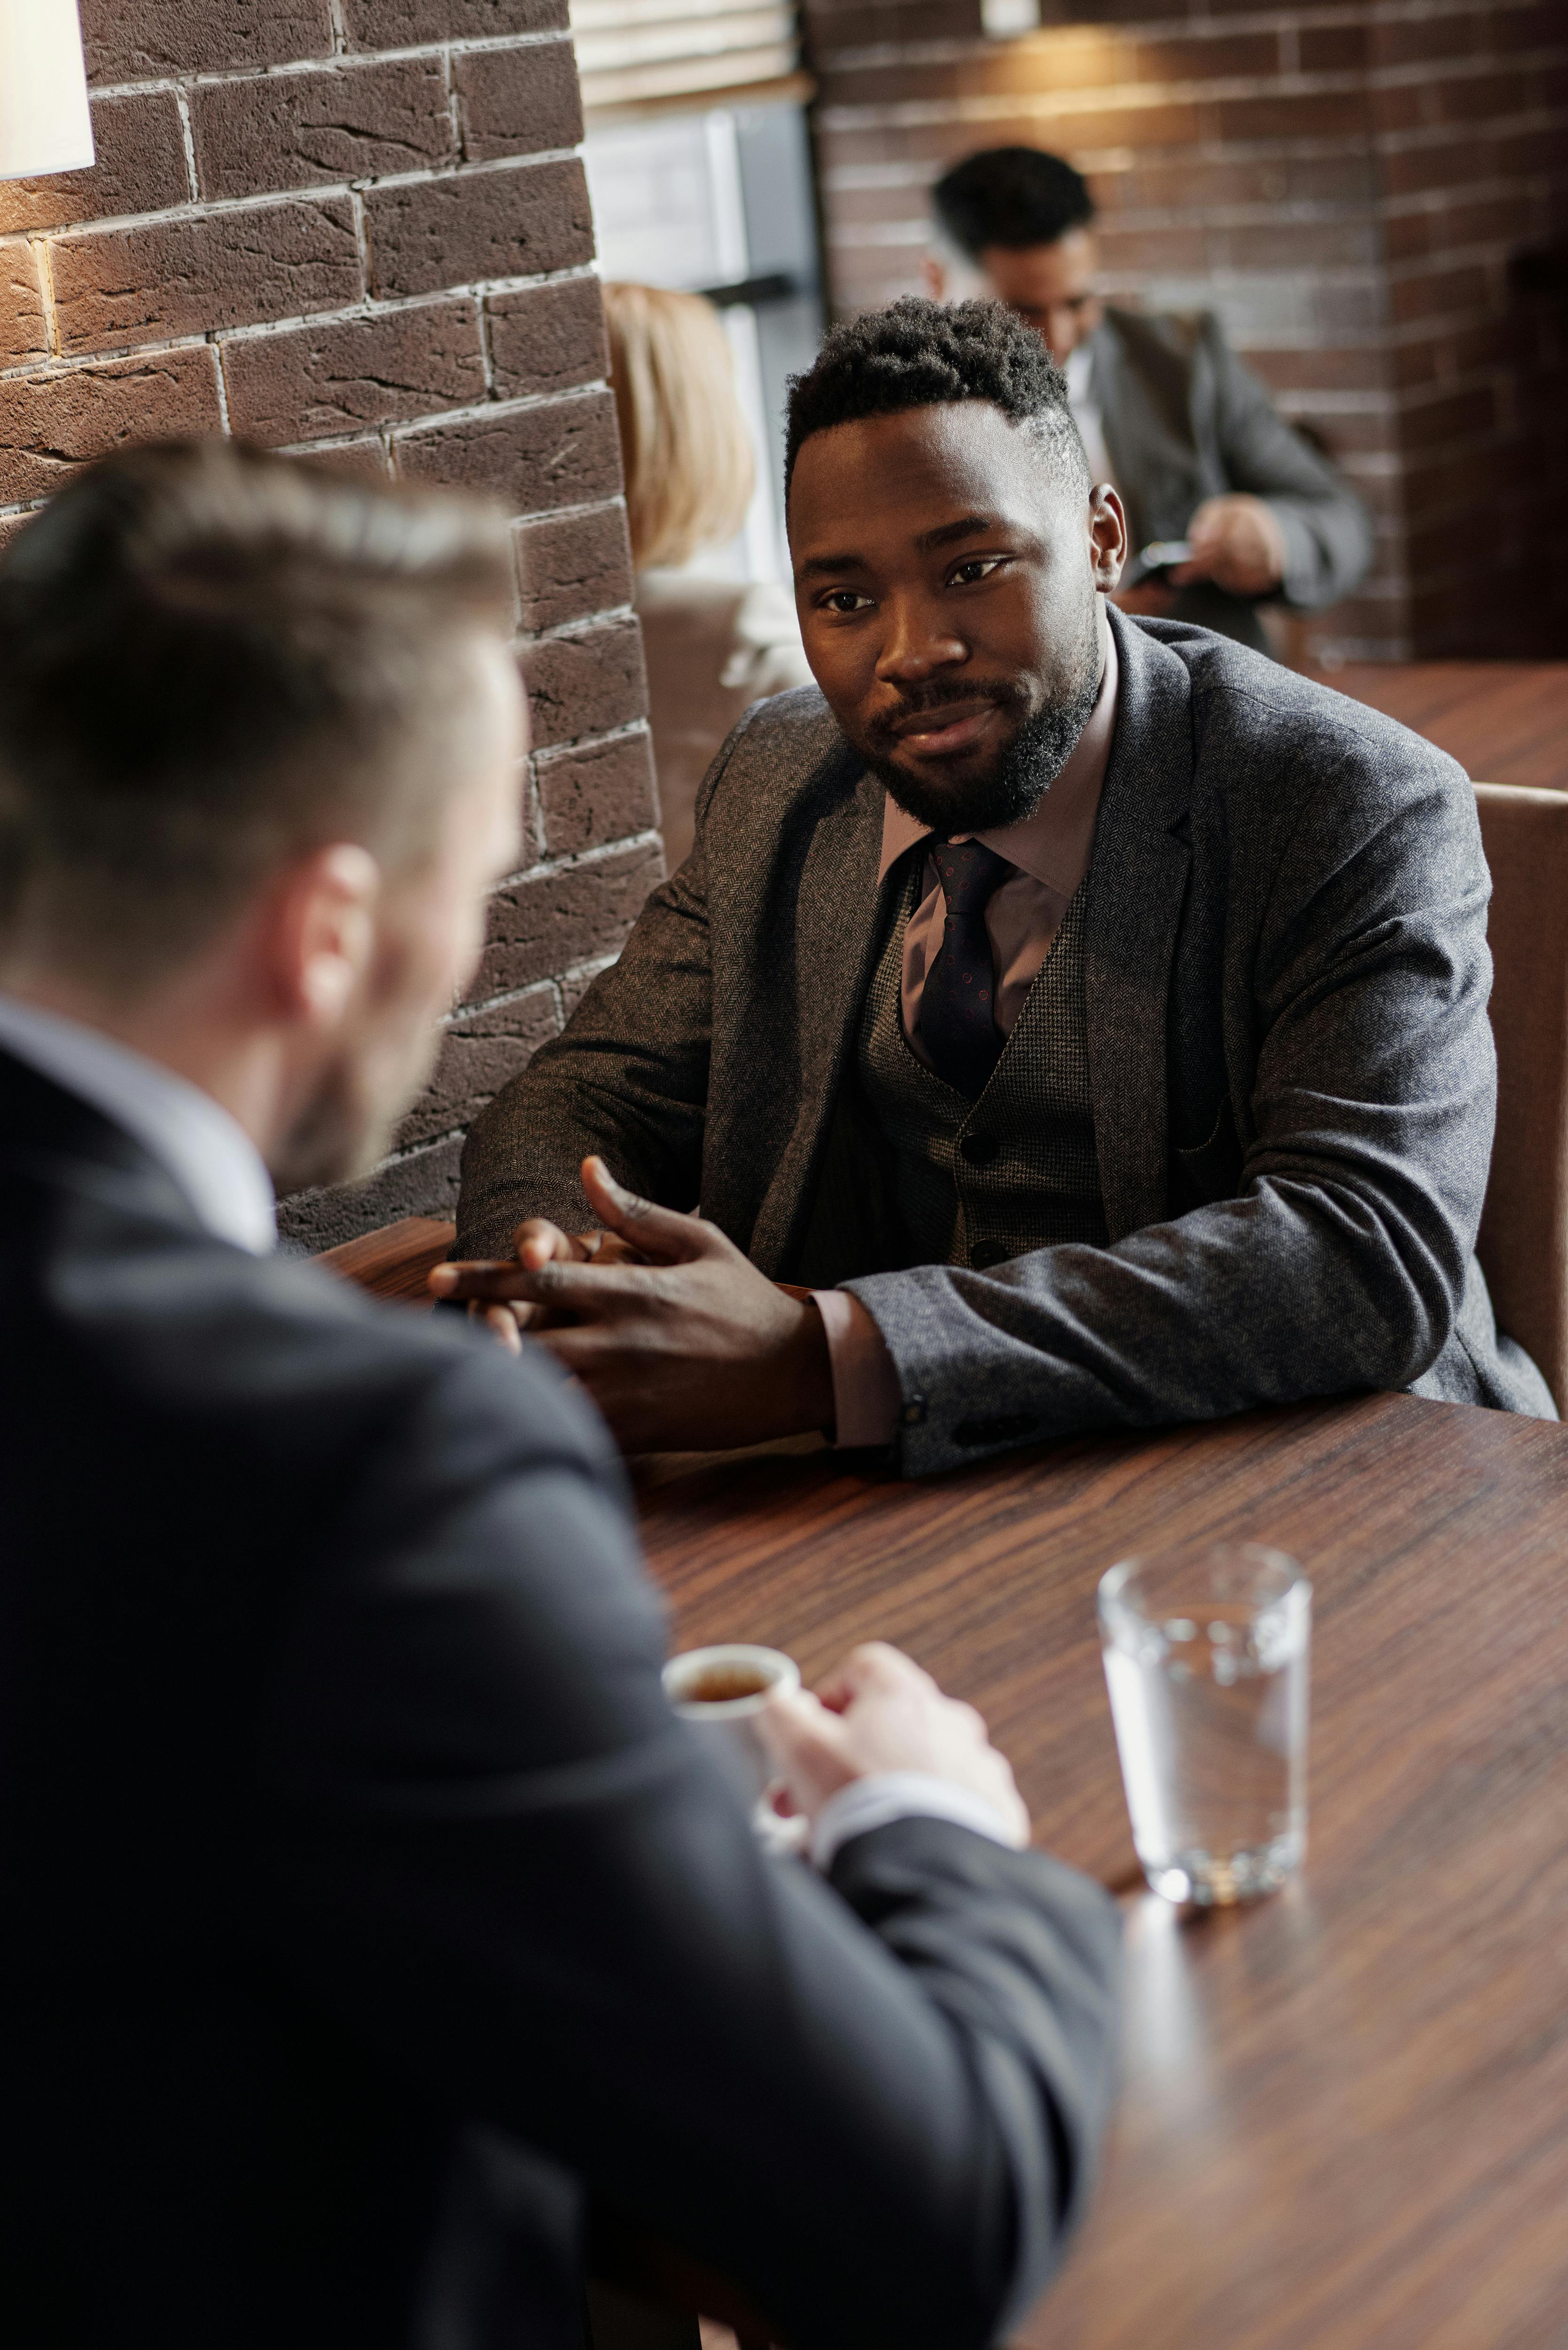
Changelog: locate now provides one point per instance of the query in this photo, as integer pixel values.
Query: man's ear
(317, 936)
(1107, 536)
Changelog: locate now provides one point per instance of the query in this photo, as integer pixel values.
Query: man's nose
(919, 640)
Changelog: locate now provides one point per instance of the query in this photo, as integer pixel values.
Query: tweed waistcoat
(978, 1182)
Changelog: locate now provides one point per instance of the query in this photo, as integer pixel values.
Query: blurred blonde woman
(714, 646)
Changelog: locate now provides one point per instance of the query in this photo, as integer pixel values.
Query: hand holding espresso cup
(879, 1712)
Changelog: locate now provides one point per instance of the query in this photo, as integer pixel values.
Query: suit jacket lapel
(836, 933)
(1138, 882)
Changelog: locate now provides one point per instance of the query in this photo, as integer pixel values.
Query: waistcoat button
(979, 1148)
(986, 1253)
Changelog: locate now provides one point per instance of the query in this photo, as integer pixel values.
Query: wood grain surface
(1504, 721)
(392, 1260)
(1345, 2119)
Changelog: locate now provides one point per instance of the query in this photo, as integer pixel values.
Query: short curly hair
(920, 354)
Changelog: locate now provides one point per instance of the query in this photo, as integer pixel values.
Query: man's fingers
(491, 1280)
(501, 1324)
(875, 1667)
(797, 1729)
(663, 1234)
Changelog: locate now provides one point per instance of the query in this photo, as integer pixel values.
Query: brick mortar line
(563, 631)
(1389, 74)
(922, 114)
(43, 264)
(480, 411)
(555, 754)
(454, 110)
(367, 309)
(333, 62)
(361, 227)
(202, 208)
(1444, 199)
(1424, 135)
(497, 1002)
(892, 237)
(571, 513)
(1101, 96)
(1486, 255)
(339, 31)
(1138, 219)
(222, 383)
(399, 429)
(915, 114)
(413, 1150)
(1332, 18)
(933, 114)
(395, 433)
(588, 968)
(550, 868)
(187, 148)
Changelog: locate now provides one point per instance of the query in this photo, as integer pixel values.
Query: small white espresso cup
(731, 1722)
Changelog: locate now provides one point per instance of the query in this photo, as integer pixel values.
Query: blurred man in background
(1167, 411)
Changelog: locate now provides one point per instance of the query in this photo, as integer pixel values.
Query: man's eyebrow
(947, 535)
(818, 563)
(967, 527)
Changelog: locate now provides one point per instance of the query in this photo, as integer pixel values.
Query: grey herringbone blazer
(1290, 1064)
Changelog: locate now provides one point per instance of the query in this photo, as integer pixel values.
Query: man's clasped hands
(661, 1318)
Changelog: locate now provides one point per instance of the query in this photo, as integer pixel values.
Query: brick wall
(358, 229)
(1370, 192)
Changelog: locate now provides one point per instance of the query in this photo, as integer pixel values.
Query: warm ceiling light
(1002, 18)
(45, 125)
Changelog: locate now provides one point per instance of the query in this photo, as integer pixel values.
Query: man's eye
(980, 567)
(845, 599)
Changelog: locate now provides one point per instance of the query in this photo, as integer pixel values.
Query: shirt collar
(207, 1152)
(1053, 845)
(1078, 367)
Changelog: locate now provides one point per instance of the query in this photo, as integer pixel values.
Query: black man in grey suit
(1090, 1013)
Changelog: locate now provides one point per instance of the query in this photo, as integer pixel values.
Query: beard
(1028, 764)
(345, 1128)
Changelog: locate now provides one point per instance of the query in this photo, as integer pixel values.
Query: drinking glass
(1205, 1653)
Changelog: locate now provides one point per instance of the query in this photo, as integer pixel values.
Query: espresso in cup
(720, 1690)
(722, 1684)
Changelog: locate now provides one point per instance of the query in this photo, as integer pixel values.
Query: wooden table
(1504, 721)
(1345, 2117)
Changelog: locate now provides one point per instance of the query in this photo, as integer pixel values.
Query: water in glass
(1206, 1661)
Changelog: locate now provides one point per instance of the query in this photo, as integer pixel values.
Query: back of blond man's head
(211, 660)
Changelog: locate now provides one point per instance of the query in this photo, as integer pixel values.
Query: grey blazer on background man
(1184, 421)
(1290, 1065)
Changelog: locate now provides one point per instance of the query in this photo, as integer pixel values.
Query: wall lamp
(45, 124)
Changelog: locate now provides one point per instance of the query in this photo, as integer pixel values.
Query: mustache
(915, 700)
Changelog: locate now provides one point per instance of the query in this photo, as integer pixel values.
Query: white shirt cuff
(876, 1800)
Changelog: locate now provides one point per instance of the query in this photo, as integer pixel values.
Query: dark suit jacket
(365, 1905)
(1184, 420)
(1290, 1063)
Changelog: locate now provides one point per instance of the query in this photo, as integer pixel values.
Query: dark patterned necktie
(957, 1005)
